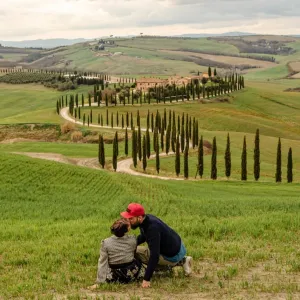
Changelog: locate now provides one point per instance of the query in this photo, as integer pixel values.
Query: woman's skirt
(125, 273)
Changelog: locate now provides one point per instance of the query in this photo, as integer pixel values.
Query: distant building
(145, 83)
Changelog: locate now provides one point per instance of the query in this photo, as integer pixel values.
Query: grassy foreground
(243, 236)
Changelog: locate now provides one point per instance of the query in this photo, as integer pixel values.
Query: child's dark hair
(119, 227)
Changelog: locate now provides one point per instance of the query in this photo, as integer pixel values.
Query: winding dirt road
(123, 165)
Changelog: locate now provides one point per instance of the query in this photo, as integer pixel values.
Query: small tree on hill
(209, 71)
(139, 143)
(213, 174)
(257, 156)
(134, 148)
(278, 162)
(148, 144)
(290, 167)
(126, 142)
(157, 155)
(186, 162)
(177, 156)
(228, 158)
(200, 166)
(115, 151)
(144, 154)
(244, 161)
(101, 152)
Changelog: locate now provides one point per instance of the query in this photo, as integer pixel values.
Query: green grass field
(32, 103)
(233, 230)
(243, 236)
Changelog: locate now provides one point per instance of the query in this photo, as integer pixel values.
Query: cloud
(92, 18)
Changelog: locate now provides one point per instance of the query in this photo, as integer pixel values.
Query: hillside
(257, 56)
(243, 235)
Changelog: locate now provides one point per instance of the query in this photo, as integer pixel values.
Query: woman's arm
(102, 264)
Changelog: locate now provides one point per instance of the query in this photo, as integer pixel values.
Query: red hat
(133, 210)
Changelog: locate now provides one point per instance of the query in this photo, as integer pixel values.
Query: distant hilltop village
(145, 84)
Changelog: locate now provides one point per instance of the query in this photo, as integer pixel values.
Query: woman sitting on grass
(116, 262)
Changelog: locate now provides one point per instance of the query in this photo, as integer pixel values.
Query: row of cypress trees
(141, 150)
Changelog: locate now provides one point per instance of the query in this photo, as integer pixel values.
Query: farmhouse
(146, 83)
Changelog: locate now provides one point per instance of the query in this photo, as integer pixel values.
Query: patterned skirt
(125, 273)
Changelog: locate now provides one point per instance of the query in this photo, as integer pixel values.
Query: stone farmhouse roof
(151, 80)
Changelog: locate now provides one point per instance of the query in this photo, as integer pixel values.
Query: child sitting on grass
(116, 262)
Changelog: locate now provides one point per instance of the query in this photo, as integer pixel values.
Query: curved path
(123, 165)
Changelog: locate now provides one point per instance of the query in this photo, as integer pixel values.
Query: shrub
(76, 136)
(67, 127)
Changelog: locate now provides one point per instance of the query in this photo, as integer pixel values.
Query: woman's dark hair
(119, 227)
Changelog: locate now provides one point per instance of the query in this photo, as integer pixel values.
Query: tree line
(141, 151)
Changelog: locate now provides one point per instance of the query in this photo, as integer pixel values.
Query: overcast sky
(32, 19)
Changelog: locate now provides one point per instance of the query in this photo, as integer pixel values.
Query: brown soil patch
(294, 66)
(28, 132)
(91, 163)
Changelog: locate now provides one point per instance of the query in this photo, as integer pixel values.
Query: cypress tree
(278, 163)
(213, 174)
(162, 132)
(101, 152)
(186, 162)
(117, 144)
(148, 143)
(117, 119)
(257, 156)
(115, 152)
(157, 155)
(152, 122)
(155, 139)
(131, 121)
(187, 142)
(209, 71)
(182, 138)
(101, 120)
(79, 113)
(98, 119)
(178, 123)
(168, 133)
(173, 135)
(244, 161)
(197, 133)
(122, 121)
(227, 158)
(165, 118)
(134, 148)
(88, 121)
(200, 157)
(148, 120)
(91, 116)
(126, 142)
(139, 143)
(127, 120)
(138, 121)
(177, 156)
(106, 117)
(112, 120)
(144, 153)
(290, 167)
